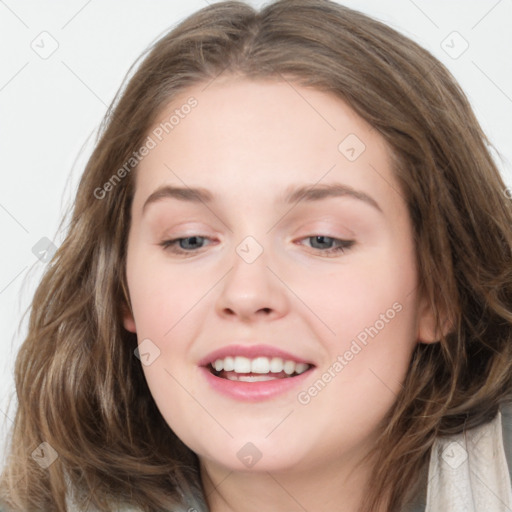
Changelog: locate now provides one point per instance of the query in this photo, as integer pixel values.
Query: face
(299, 249)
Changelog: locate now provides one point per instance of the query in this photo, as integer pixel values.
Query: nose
(252, 292)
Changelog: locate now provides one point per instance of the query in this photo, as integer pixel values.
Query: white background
(50, 108)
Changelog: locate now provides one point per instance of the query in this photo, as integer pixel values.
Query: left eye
(339, 245)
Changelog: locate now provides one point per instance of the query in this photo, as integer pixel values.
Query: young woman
(340, 338)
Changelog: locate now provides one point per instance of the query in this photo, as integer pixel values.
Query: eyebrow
(328, 190)
(292, 194)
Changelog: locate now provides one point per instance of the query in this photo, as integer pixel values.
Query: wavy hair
(78, 384)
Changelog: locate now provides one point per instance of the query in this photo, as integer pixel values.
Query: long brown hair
(79, 386)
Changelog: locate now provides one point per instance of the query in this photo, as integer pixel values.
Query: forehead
(258, 138)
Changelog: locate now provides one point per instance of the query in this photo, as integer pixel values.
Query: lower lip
(253, 391)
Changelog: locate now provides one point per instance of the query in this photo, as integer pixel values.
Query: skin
(247, 141)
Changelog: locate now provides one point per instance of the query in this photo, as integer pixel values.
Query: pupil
(185, 241)
(322, 239)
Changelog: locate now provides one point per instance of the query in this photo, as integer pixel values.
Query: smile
(258, 369)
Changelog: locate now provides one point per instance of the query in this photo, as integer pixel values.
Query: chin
(252, 457)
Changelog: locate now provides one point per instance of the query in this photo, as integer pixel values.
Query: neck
(322, 487)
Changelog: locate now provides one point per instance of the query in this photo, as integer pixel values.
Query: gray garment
(420, 502)
(506, 420)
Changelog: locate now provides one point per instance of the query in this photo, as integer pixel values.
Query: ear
(427, 330)
(128, 320)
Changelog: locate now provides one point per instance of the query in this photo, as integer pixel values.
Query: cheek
(374, 321)
(373, 313)
(160, 294)
(163, 305)
(165, 301)
(371, 291)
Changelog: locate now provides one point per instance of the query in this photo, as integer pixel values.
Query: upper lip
(251, 352)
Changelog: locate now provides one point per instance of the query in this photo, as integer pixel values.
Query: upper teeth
(241, 364)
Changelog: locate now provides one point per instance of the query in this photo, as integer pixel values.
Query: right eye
(183, 245)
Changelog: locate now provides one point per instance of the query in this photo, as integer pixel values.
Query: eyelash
(171, 245)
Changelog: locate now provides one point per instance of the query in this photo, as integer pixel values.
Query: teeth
(262, 365)
(242, 365)
(289, 367)
(276, 365)
(301, 367)
(251, 378)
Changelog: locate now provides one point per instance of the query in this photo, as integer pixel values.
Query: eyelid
(327, 226)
